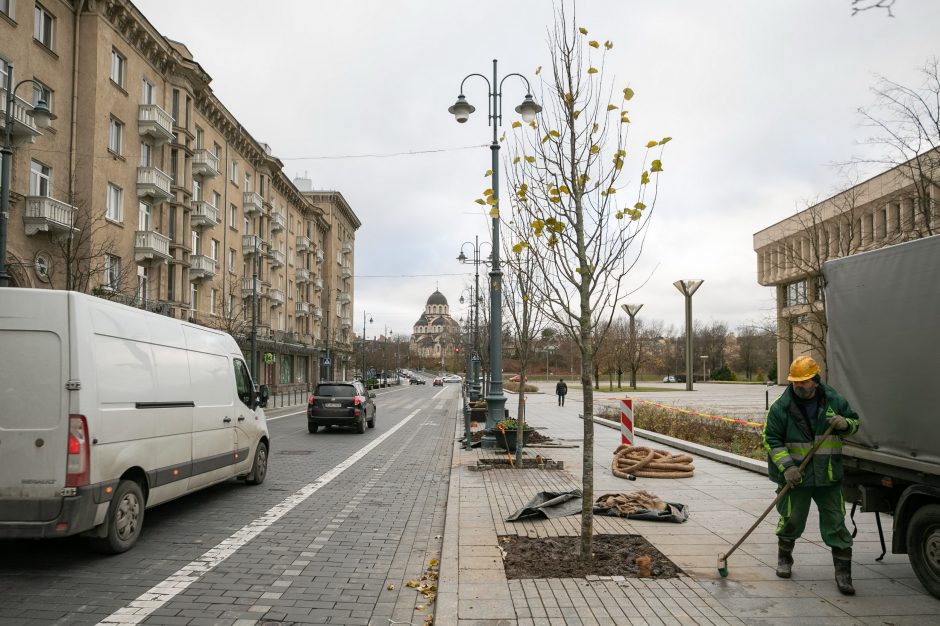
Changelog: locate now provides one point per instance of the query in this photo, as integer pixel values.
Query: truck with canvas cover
(883, 355)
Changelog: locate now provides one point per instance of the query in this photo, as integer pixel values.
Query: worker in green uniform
(797, 419)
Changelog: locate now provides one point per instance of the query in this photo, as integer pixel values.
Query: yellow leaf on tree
(611, 107)
(576, 114)
(595, 149)
(665, 140)
(582, 30)
(645, 178)
(608, 44)
(530, 159)
(519, 247)
(532, 124)
(494, 212)
(491, 200)
(502, 138)
(592, 70)
(516, 160)
(553, 133)
(516, 124)
(564, 189)
(618, 163)
(624, 119)
(627, 93)
(488, 173)
(652, 144)
(594, 44)
(545, 138)
(480, 201)
(487, 192)
(619, 215)
(656, 166)
(538, 70)
(611, 190)
(595, 128)
(639, 206)
(524, 187)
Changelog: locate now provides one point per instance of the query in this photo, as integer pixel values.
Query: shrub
(723, 373)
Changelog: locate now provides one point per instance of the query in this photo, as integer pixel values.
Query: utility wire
(382, 156)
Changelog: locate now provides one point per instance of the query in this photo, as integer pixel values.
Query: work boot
(843, 564)
(784, 558)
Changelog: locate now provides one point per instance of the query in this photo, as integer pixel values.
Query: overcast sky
(760, 98)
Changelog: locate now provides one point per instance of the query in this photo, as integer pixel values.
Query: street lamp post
(688, 287)
(475, 387)
(461, 111)
(364, 379)
(43, 118)
(256, 250)
(704, 358)
(632, 310)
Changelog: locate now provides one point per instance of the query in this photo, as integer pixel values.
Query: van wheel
(311, 427)
(923, 547)
(259, 469)
(125, 519)
(361, 425)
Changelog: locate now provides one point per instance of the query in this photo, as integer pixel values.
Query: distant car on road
(438, 382)
(517, 379)
(452, 378)
(418, 381)
(669, 379)
(341, 404)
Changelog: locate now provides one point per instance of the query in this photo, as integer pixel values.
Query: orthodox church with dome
(436, 332)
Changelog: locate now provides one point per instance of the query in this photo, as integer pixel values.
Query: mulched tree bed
(533, 437)
(557, 557)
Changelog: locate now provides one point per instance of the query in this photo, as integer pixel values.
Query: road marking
(138, 610)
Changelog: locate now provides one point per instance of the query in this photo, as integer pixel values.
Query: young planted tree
(569, 184)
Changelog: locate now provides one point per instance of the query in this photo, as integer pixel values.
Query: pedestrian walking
(797, 419)
(561, 389)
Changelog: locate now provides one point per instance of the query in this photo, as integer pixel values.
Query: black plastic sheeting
(552, 504)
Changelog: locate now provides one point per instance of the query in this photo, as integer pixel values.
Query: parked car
(453, 378)
(438, 382)
(669, 379)
(418, 381)
(517, 379)
(341, 404)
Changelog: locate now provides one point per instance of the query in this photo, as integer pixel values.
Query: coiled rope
(650, 463)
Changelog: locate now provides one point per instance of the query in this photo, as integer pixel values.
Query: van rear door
(34, 344)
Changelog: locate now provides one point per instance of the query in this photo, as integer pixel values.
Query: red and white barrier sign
(626, 421)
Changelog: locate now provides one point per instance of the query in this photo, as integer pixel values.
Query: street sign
(327, 362)
(475, 358)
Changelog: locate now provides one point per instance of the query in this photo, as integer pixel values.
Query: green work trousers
(794, 508)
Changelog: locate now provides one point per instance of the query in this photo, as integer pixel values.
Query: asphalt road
(340, 525)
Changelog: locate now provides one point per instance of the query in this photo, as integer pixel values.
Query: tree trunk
(587, 462)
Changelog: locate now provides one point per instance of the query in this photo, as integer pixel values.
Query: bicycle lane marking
(145, 604)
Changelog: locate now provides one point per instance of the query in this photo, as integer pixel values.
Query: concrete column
(832, 233)
(866, 228)
(907, 214)
(880, 222)
(893, 217)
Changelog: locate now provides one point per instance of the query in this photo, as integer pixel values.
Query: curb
(721, 456)
(445, 611)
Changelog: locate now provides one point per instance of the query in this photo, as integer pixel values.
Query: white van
(106, 410)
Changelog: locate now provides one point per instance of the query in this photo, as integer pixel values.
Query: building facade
(147, 190)
(436, 333)
(887, 209)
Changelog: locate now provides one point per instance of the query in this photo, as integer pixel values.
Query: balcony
(252, 203)
(319, 256)
(203, 215)
(304, 244)
(302, 275)
(48, 215)
(276, 296)
(251, 244)
(151, 245)
(278, 222)
(201, 267)
(317, 312)
(247, 283)
(23, 129)
(347, 248)
(318, 284)
(152, 183)
(345, 322)
(345, 272)
(154, 122)
(205, 163)
(277, 258)
(343, 298)
(302, 309)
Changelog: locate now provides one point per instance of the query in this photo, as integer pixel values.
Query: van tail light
(77, 462)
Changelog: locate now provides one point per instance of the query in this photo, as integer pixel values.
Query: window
(175, 105)
(213, 294)
(112, 272)
(217, 150)
(147, 92)
(197, 190)
(4, 71)
(214, 250)
(40, 179)
(243, 384)
(146, 154)
(145, 214)
(118, 65)
(231, 260)
(115, 203)
(199, 135)
(247, 181)
(115, 136)
(197, 242)
(7, 7)
(174, 168)
(143, 283)
(216, 199)
(42, 92)
(231, 303)
(171, 219)
(795, 293)
(290, 288)
(233, 216)
(43, 26)
(193, 297)
(247, 225)
(171, 283)
(233, 175)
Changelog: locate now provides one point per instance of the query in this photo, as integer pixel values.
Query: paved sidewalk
(724, 500)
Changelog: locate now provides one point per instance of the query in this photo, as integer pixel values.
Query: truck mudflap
(38, 518)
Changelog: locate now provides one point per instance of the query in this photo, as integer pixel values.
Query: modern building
(147, 190)
(436, 333)
(886, 209)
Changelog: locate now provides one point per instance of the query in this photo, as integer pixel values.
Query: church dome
(437, 298)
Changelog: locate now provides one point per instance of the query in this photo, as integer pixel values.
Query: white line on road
(139, 609)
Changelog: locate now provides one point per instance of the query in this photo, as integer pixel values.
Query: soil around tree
(533, 437)
(557, 557)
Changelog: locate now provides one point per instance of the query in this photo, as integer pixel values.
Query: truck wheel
(923, 547)
(125, 519)
(311, 427)
(259, 469)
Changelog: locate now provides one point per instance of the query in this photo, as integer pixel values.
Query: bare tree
(234, 314)
(566, 175)
(755, 350)
(859, 6)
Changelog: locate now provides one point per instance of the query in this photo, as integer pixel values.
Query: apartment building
(147, 190)
(887, 209)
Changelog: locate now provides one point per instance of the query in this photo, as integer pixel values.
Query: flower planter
(508, 441)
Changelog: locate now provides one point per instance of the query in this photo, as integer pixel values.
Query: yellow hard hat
(802, 368)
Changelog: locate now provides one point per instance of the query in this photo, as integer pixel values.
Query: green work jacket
(788, 437)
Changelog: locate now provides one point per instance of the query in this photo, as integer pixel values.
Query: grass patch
(734, 438)
(514, 387)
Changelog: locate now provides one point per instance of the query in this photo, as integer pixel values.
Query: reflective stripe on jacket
(788, 444)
